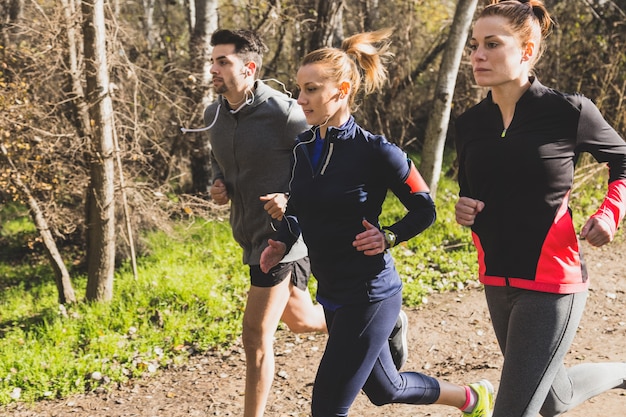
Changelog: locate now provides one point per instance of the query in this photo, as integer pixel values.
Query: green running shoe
(484, 403)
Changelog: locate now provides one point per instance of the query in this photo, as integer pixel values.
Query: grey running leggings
(535, 331)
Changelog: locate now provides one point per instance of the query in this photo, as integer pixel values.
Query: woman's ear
(344, 89)
(528, 52)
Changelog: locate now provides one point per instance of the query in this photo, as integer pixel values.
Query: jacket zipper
(327, 160)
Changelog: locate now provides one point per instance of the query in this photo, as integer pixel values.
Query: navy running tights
(357, 356)
(535, 331)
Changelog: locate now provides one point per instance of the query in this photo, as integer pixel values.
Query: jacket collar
(343, 132)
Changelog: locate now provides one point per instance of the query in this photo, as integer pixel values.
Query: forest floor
(450, 337)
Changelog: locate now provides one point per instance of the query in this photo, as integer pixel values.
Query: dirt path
(449, 337)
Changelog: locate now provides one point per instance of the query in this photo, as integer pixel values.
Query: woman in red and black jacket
(517, 150)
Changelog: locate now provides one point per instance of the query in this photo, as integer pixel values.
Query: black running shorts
(300, 271)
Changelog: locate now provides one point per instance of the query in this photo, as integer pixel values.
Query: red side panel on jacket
(415, 181)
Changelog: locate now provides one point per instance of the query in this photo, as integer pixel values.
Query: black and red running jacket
(525, 236)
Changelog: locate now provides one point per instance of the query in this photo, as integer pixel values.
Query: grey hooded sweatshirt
(251, 151)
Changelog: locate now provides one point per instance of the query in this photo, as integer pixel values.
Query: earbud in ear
(344, 88)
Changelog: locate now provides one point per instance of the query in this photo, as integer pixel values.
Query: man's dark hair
(248, 45)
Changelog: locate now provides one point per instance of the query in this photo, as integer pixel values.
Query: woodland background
(95, 92)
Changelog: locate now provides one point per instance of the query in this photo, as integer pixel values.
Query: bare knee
(307, 327)
(302, 316)
(300, 325)
(254, 338)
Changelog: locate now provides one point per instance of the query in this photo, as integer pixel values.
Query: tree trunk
(328, 25)
(148, 22)
(10, 15)
(100, 203)
(202, 94)
(80, 112)
(62, 277)
(437, 127)
(372, 15)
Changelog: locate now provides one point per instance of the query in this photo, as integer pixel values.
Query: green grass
(441, 258)
(189, 298)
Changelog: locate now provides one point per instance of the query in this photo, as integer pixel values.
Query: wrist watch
(390, 238)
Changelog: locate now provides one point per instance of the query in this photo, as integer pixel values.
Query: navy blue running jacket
(328, 203)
